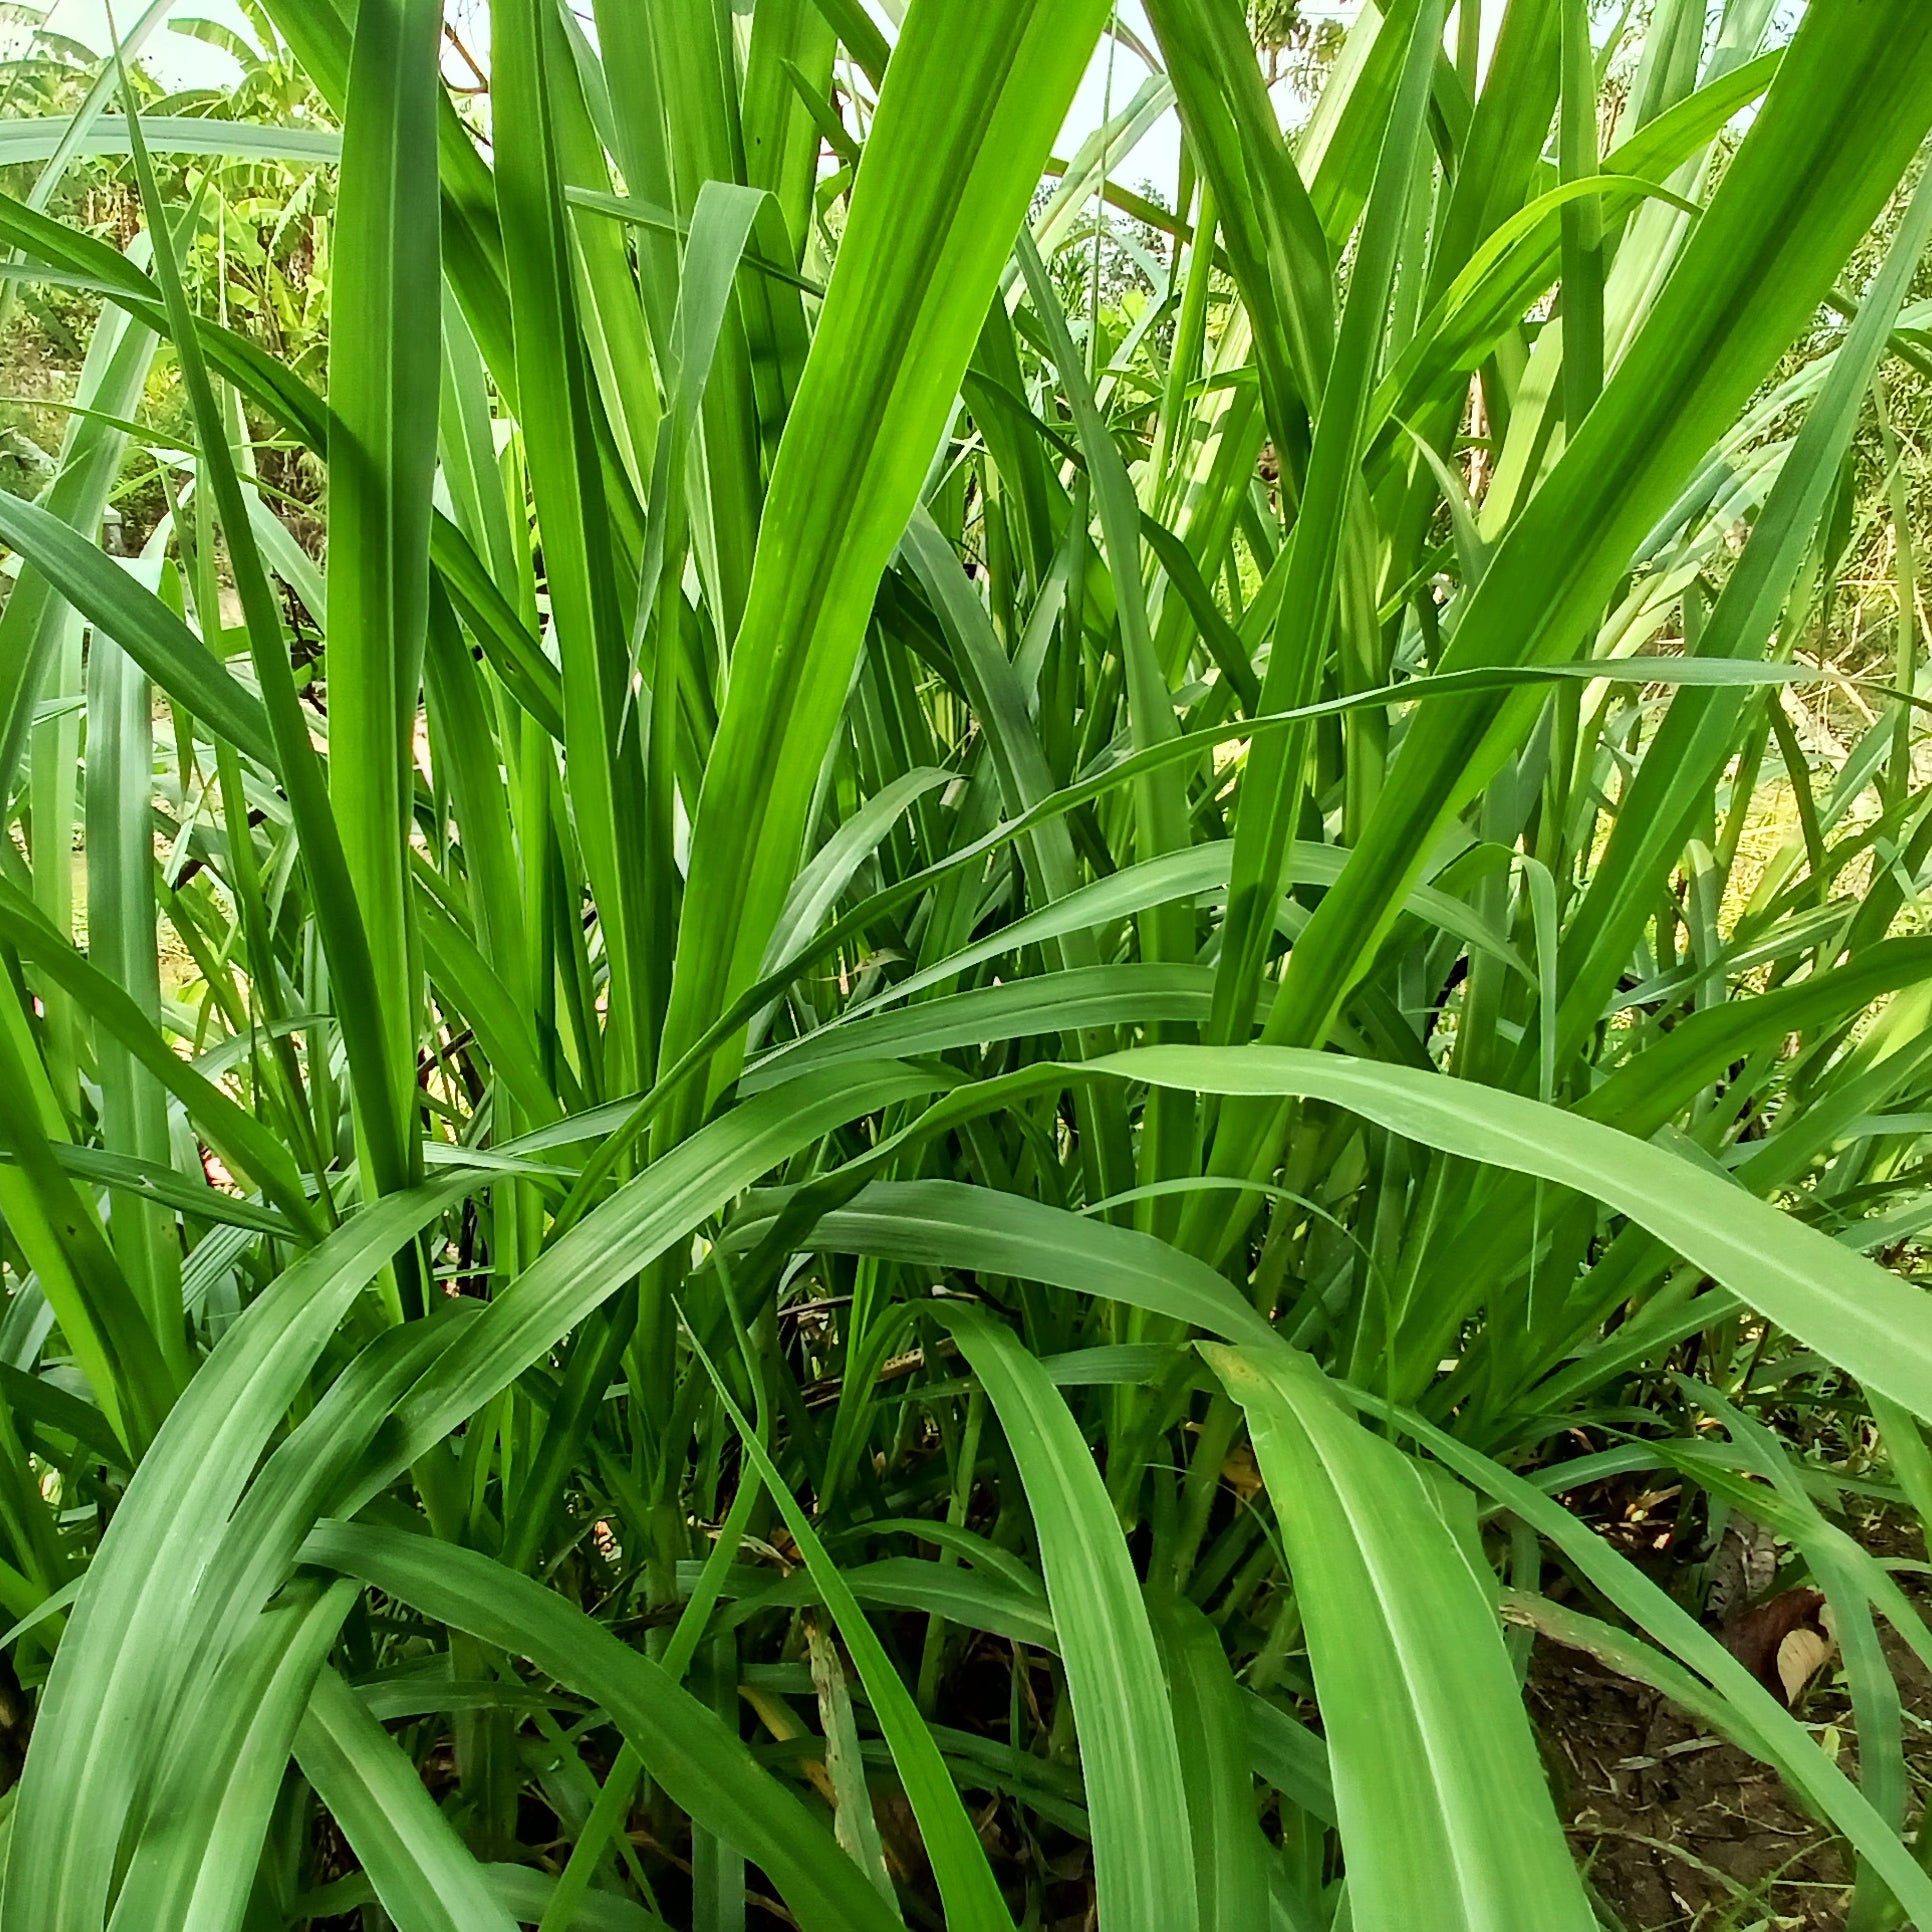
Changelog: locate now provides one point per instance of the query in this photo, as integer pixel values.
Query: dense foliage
(868, 1036)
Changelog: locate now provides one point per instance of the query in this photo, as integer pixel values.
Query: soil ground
(1680, 1831)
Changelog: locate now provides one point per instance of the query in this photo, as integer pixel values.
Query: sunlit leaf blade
(1129, 1758)
(965, 118)
(1439, 1791)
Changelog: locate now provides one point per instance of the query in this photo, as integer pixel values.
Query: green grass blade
(969, 108)
(125, 1645)
(1308, 619)
(296, 761)
(235, 1133)
(604, 771)
(1752, 1711)
(966, 1884)
(426, 1879)
(686, 1746)
(139, 622)
(111, 381)
(616, 1241)
(1849, 101)
(383, 401)
(1210, 1726)
(194, 1868)
(1853, 1312)
(1656, 818)
(121, 925)
(1445, 1816)
(1129, 1759)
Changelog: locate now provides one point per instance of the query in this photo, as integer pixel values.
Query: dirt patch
(1681, 1831)
(1676, 1828)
